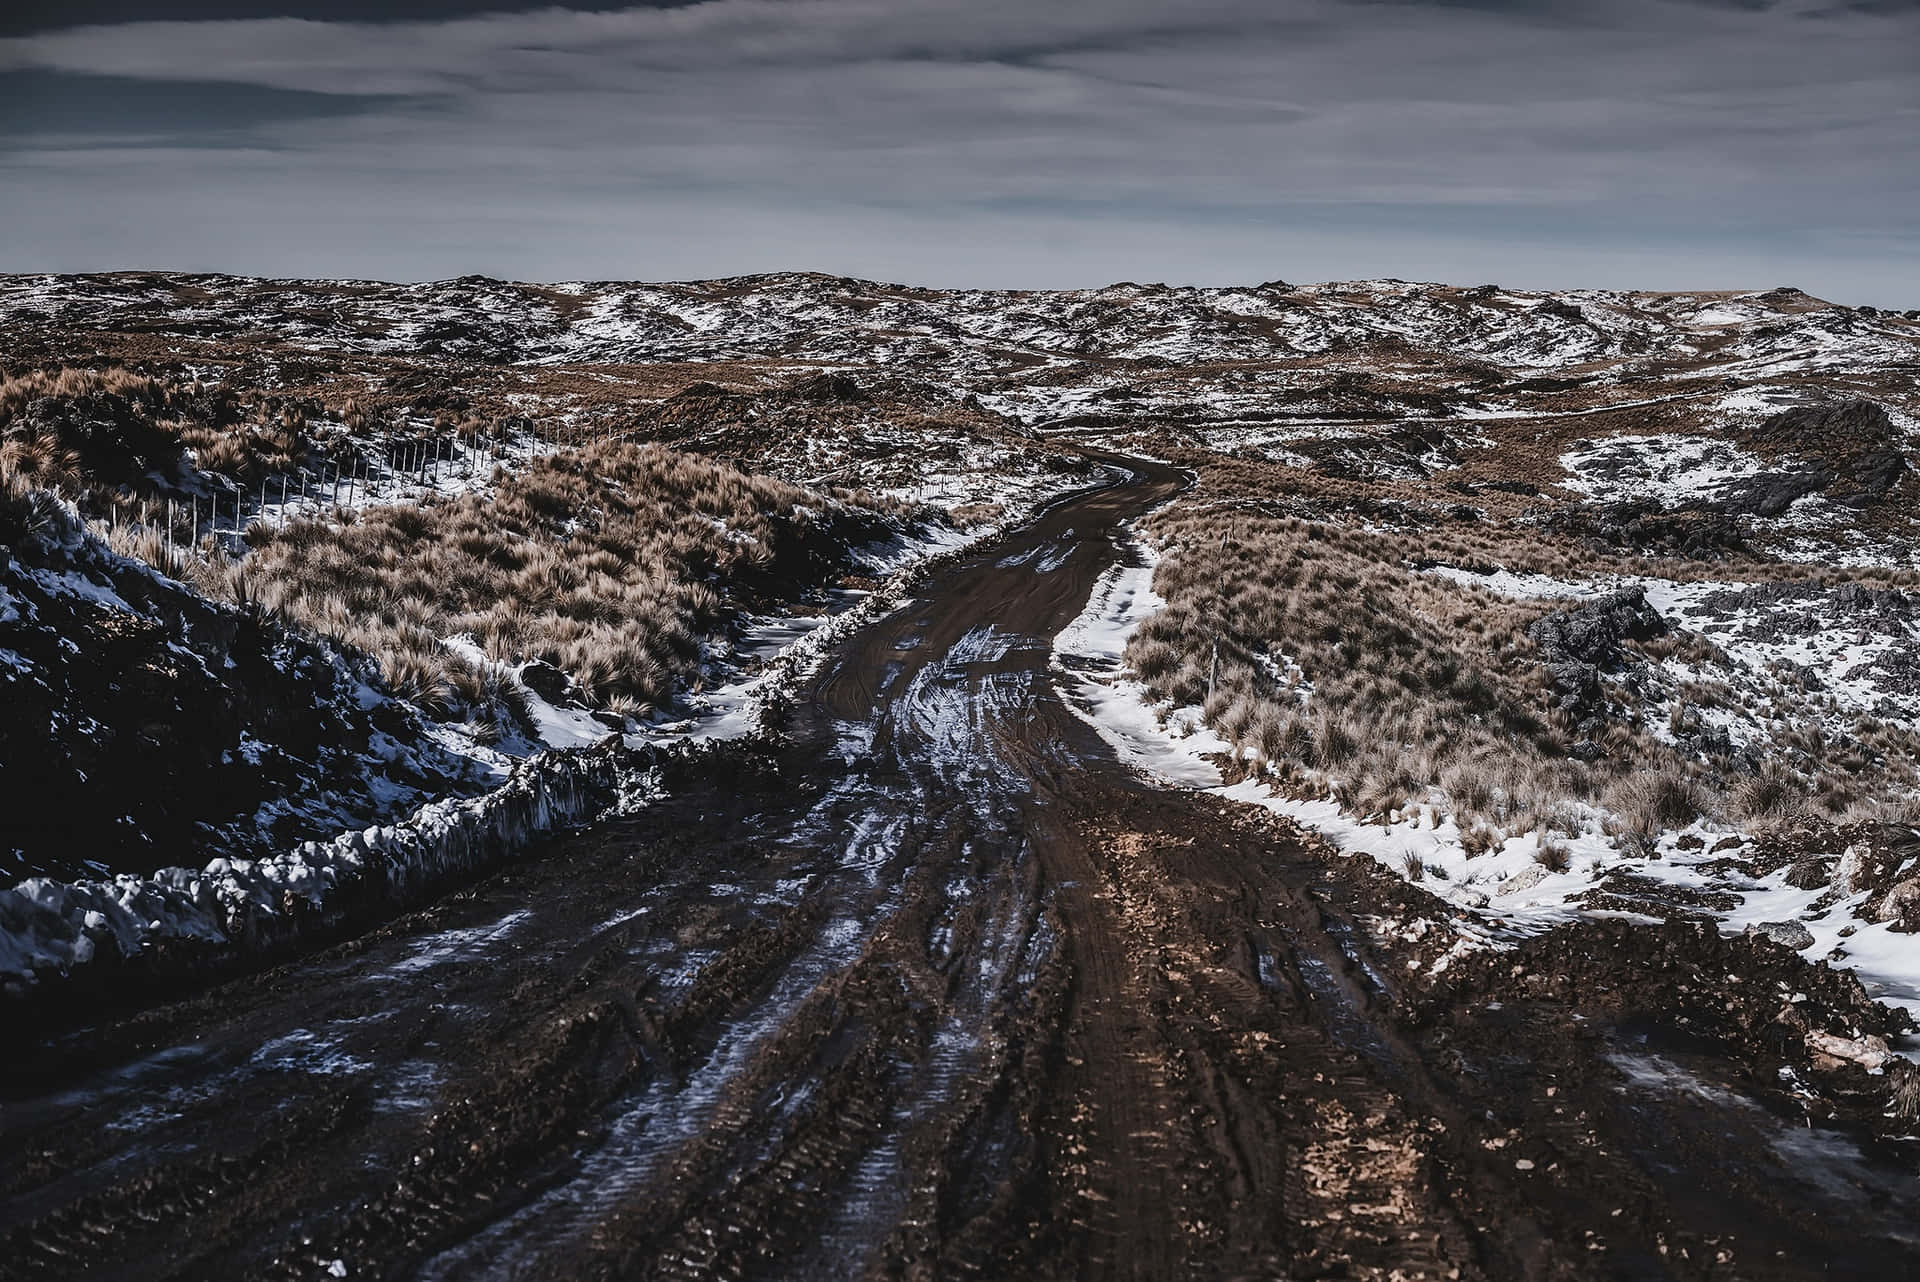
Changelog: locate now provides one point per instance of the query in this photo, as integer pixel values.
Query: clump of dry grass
(1343, 668)
(26, 510)
(1648, 803)
(99, 435)
(81, 430)
(1349, 670)
(1773, 795)
(609, 563)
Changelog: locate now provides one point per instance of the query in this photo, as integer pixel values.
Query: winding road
(939, 990)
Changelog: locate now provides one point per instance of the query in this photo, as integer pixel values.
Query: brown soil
(937, 989)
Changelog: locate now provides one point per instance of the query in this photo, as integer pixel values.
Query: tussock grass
(1354, 675)
(1349, 672)
(79, 431)
(609, 563)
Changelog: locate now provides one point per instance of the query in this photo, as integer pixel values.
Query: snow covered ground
(1853, 643)
(1672, 471)
(1506, 890)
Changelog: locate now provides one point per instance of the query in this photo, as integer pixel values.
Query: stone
(1788, 934)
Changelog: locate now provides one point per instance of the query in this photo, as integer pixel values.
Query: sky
(1654, 144)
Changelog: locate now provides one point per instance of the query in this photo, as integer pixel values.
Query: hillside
(732, 776)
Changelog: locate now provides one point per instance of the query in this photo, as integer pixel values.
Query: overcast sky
(1661, 144)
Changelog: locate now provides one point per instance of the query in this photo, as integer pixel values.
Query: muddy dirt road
(939, 991)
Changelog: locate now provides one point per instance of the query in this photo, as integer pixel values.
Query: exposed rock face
(1578, 645)
(829, 388)
(1771, 493)
(1848, 451)
(1643, 527)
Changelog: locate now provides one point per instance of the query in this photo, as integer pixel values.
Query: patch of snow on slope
(1506, 887)
(1671, 470)
(1175, 745)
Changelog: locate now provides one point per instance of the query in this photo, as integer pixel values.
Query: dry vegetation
(610, 563)
(1338, 665)
(84, 431)
(1343, 669)
(120, 443)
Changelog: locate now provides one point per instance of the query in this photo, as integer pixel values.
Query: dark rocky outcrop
(1644, 527)
(1848, 451)
(1577, 646)
(830, 388)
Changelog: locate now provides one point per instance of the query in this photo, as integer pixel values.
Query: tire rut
(935, 989)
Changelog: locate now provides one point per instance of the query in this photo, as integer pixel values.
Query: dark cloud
(24, 16)
(1640, 141)
(62, 107)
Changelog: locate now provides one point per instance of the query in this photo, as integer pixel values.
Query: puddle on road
(1826, 1162)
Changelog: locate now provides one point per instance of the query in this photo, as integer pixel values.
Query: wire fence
(397, 467)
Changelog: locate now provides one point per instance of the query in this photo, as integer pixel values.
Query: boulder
(1900, 908)
(547, 681)
(1788, 934)
(1578, 645)
(1848, 450)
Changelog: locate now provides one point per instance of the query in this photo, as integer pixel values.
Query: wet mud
(937, 989)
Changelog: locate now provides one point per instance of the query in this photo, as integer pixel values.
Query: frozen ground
(1672, 471)
(1507, 890)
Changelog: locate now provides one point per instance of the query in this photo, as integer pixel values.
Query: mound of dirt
(147, 725)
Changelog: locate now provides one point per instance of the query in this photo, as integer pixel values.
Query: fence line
(391, 470)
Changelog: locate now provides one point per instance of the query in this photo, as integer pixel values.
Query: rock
(1578, 645)
(1701, 534)
(1526, 879)
(1868, 1052)
(1770, 493)
(1788, 934)
(547, 681)
(1847, 871)
(1848, 450)
(1900, 907)
(830, 388)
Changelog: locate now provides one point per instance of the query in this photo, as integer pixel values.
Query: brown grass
(1345, 669)
(1411, 683)
(609, 563)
